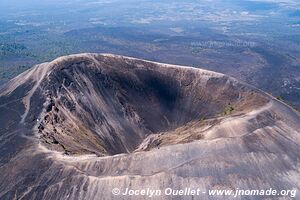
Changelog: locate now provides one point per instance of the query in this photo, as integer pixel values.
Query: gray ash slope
(83, 124)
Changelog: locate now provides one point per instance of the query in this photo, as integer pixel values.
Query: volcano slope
(81, 125)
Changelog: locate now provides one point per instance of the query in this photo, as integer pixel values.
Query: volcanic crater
(108, 105)
(101, 121)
